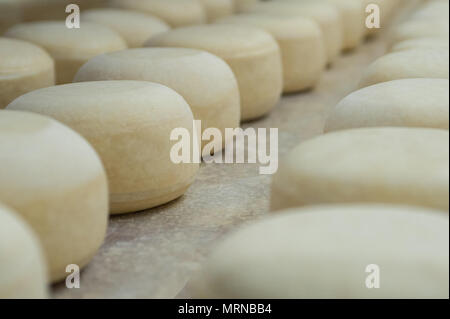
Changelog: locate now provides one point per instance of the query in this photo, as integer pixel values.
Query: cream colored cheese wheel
(353, 20)
(55, 180)
(417, 63)
(70, 48)
(129, 123)
(332, 252)
(205, 81)
(421, 43)
(407, 102)
(301, 44)
(387, 165)
(216, 9)
(414, 29)
(325, 14)
(252, 54)
(24, 67)
(134, 27)
(23, 272)
(176, 13)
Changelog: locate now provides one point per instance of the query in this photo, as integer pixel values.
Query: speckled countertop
(152, 254)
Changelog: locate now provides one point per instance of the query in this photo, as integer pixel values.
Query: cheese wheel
(414, 29)
(129, 123)
(204, 80)
(23, 272)
(252, 54)
(301, 44)
(387, 165)
(24, 67)
(407, 102)
(54, 179)
(176, 13)
(325, 14)
(352, 15)
(134, 27)
(332, 252)
(216, 9)
(70, 48)
(421, 43)
(417, 63)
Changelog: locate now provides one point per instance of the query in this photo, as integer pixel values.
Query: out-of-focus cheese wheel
(332, 252)
(24, 67)
(407, 102)
(325, 14)
(55, 180)
(129, 123)
(384, 165)
(70, 48)
(301, 43)
(176, 13)
(417, 63)
(216, 9)
(353, 20)
(252, 54)
(414, 29)
(421, 43)
(134, 27)
(205, 81)
(23, 272)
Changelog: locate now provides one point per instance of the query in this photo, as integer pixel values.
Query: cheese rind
(332, 252)
(253, 55)
(55, 180)
(23, 271)
(379, 165)
(129, 123)
(405, 103)
(205, 81)
(24, 67)
(70, 48)
(301, 44)
(408, 64)
(134, 27)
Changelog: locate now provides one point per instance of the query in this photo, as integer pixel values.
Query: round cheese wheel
(70, 48)
(55, 180)
(204, 80)
(325, 14)
(387, 165)
(176, 13)
(23, 272)
(407, 102)
(332, 252)
(24, 67)
(421, 43)
(134, 27)
(129, 123)
(216, 9)
(413, 29)
(417, 63)
(252, 54)
(301, 43)
(352, 15)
